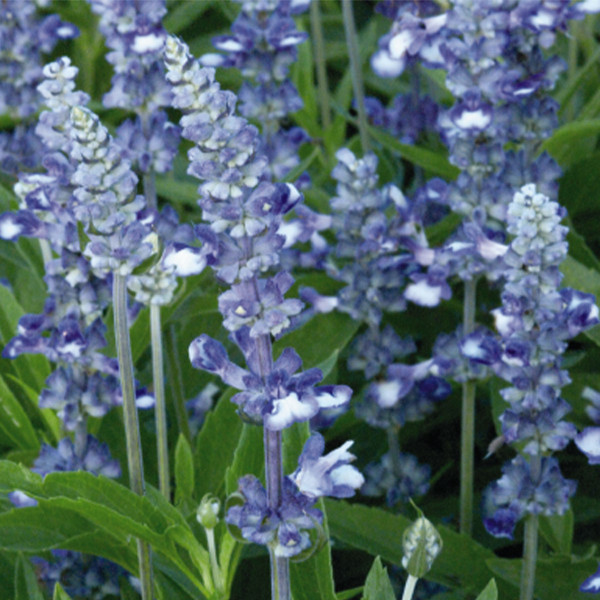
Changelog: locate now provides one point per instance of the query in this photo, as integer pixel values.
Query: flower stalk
(159, 395)
(319, 46)
(357, 79)
(132, 430)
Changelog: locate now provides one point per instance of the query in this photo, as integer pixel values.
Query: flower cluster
(24, 37)
(136, 41)
(286, 528)
(245, 215)
(377, 258)
(534, 323)
(263, 46)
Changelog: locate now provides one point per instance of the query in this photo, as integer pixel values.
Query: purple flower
(326, 475)
(588, 441)
(283, 527)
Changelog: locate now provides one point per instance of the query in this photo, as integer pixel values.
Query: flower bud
(208, 511)
(421, 543)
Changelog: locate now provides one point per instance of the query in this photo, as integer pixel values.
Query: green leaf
(248, 458)
(184, 470)
(461, 565)
(181, 16)
(34, 369)
(432, 162)
(557, 530)
(216, 446)
(302, 76)
(490, 592)
(567, 145)
(554, 577)
(59, 593)
(378, 585)
(349, 594)
(321, 337)
(26, 587)
(15, 425)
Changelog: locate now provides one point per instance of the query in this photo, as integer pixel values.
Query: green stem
(530, 540)
(409, 587)
(132, 430)
(214, 562)
(158, 378)
(176, 379)
(357, 80)
(320, 62)
(467, 442)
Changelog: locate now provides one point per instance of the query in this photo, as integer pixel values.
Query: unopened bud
(421, 544)
(208, 511)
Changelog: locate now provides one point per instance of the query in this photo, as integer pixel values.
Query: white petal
(423, 294)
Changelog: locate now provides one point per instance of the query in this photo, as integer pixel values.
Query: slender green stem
(573, 46)
(280, 566)
(158, 378)
(467, 442)
(409, 587)
(530, 544)
(214, 562)
(132, 430)
(530, 539)
(176, 379)
(320, 62)
(355, 66)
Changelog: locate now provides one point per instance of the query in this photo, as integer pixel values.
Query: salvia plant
(278, 274)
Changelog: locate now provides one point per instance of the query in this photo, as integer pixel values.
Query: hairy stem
(530, 540)
(158, 378)
(467, 421)
(214, 562)
(319, 58)
(355, 66)
(132, 429)
(280, 567)
(409, 587)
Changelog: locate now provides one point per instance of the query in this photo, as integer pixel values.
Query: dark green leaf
(248, 458)
(59, 593)
(432, 162)
(185, 13)
(26, 586)
(490, 592)
(349, 594)
(461, 564)
(32, 369)
(322, 336)
(557, 530)
(184, 470)
(378, 585)
(15, 425)
(568, 143)
(554, 577)
(216, 446)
